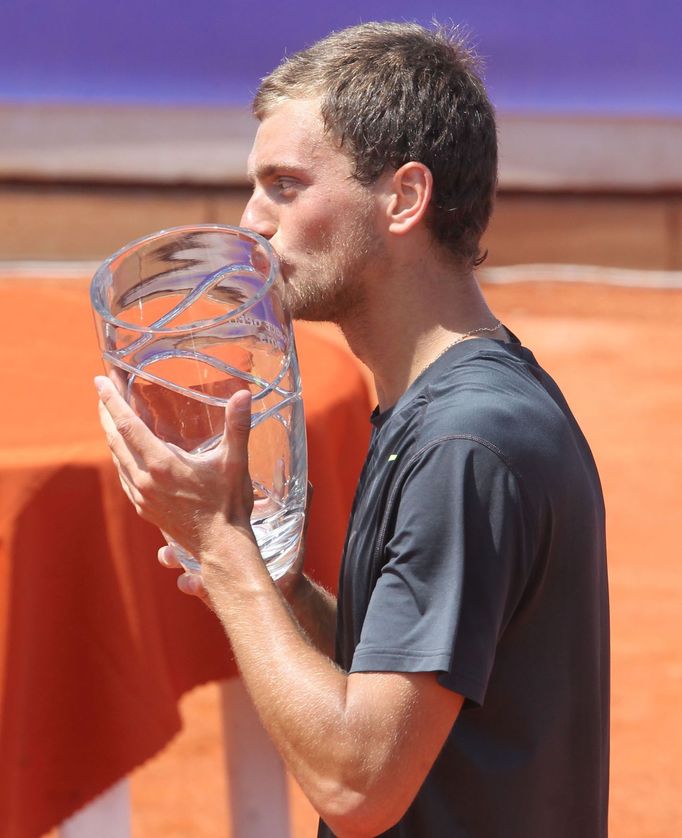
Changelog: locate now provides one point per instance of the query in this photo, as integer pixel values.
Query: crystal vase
(186, 317)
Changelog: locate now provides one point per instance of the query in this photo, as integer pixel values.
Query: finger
(238, 427)
(192, 584)
(168, 557)
(121, 470)
(123, 459)
(126, 432)
(123, 475)
(126, 488)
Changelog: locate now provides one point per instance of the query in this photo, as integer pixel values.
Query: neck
(407, 323)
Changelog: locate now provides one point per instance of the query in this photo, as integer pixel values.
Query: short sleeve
(455, 565)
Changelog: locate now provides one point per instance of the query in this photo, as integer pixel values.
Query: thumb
(238, 426)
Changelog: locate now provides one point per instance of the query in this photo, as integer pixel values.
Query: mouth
(285, 268)
(262, 263)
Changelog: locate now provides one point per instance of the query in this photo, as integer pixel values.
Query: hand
(202, 501)
(193, 584)
(188, 582)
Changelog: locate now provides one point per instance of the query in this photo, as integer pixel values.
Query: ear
(411, 188)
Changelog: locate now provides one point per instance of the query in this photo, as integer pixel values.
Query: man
(469, 690)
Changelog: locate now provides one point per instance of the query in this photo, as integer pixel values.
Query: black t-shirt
(476, 550)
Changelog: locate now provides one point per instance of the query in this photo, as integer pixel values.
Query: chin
(312, 309)
(309, 312)
(308, 300)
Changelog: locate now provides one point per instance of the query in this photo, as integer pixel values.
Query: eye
(285, 186)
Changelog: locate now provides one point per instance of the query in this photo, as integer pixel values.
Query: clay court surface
(617, 354)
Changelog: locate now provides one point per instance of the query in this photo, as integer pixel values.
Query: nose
(257, 217)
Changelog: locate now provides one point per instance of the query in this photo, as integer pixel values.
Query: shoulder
(479, 400)
(492, 408)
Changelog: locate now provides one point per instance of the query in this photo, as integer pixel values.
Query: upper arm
(453, 567)
(400, 722)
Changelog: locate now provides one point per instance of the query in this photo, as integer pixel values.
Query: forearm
(315, 610)
(300, 695)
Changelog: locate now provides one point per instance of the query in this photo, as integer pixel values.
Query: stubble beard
(331, 285)
(332, 300)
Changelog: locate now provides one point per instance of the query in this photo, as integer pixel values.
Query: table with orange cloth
(96, 643)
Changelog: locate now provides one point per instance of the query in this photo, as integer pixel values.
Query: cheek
(311, 227)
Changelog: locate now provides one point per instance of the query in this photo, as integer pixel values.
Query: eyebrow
(267, 170)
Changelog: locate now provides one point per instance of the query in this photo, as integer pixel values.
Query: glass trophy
(186, 317)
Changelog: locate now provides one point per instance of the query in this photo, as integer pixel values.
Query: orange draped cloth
(96, 643)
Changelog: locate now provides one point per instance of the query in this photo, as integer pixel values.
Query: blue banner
(609, 57)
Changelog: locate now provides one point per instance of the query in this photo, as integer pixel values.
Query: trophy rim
(104, 270)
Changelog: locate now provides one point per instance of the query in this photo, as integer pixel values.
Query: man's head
(391, 93)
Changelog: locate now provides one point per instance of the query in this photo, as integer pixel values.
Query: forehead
(293, 133)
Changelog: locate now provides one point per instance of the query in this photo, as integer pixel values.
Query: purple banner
(612, 57)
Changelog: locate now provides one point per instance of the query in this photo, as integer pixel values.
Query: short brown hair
(396, 92)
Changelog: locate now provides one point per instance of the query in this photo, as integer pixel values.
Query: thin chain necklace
(471, 333)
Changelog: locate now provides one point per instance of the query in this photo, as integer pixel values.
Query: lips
(260, 260)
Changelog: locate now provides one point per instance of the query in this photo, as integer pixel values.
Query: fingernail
(244, 405)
